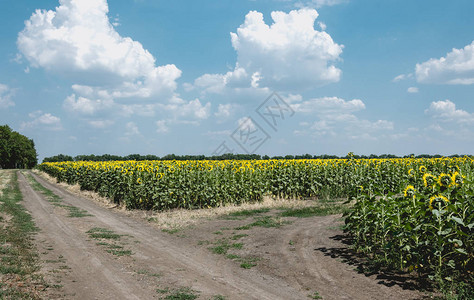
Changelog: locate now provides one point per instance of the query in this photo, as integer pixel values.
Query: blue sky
(198, 77)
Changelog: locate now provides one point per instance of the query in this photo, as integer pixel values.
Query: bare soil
(213, 258)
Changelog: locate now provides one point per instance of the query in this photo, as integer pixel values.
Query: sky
(271, 77)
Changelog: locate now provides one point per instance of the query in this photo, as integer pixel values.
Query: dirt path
(293, 261)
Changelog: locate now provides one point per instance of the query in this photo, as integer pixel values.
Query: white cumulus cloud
(456, 68)
(336, 116)
(412, 90)
(42, 120)
(290, 54)
(5, 96)
(77, 40)
(446, 111)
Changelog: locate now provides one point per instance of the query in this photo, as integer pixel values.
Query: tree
(16, 150)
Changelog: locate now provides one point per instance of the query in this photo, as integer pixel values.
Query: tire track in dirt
(95, 273)
(314, 270)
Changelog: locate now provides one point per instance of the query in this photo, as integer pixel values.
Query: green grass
(238, 236)
(222, 246)
(17, 253)
(218, 297)
(313, 211)
(315, 295)
(247, 265)
(74, 212)
(266, 221)
(171, 231)
(119, 252)
(249, 212)
(102, 233)
(181, 294)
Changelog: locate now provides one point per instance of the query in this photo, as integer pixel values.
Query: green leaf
(458, 220)
(461, 250)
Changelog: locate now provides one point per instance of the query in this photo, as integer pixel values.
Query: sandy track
(96, 274)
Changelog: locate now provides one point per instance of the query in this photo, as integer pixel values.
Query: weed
(171, 231)
(247, 265)
(266, 221)
(120, 252)
(102, 233)
(182, 294)
(238, 236)
(312, 211)
(315, 295)
(232, 256)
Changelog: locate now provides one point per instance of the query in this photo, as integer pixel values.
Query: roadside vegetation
(19, 263)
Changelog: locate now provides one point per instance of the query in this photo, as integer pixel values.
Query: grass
(238, 236)
(179, 294)
(98, 233)
(19, 260)
(119, 252)
(74, 212)
(313, 211)
(315, 295)
(247, 265)
(171, 231)
(266, 221)
(246, 213)
(222, 246)
(102, 233)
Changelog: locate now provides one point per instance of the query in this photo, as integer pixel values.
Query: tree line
(228, 156)
(16, 150)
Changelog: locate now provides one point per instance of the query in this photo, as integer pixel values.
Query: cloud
(78, 41)
(224, 111)
(246, 124)
(194, 108)
(131, 129)
(446, 111)
(161, 126)
(335, 116)
(328, 106)
(5, 96)
(86, 107)
(402, 77)
(456, 68)
(42, 120)
(412, 90)
(286, 55)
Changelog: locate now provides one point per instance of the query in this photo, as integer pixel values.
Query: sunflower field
(413, 214)
(426, 226)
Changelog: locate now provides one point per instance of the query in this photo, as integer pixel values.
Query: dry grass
(4, 179)
(180, 218)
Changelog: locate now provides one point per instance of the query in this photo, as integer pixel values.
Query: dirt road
(104, 254)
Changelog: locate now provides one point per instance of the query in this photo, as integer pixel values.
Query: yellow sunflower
(429, 180)
(437, 198)
(409, 191)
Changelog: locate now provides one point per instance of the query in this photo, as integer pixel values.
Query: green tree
(16, 150)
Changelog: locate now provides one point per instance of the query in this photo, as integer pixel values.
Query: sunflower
(429, 180)
(411, 173)
(409, 191)
(457, 179)
(445, 180)
(422, 169)
(437, 198)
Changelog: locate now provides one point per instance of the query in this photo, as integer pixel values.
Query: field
(269, 229)
(415, 215)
